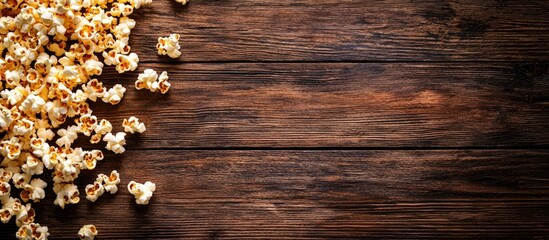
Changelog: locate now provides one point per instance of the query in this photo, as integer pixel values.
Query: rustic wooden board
(339, 105)
(478, 194)
(347, 30)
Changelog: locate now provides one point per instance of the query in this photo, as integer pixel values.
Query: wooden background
(307, 119)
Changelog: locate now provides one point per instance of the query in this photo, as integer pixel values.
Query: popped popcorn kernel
(132, 125)
(52, 53)
(94, 191)
(88, 232)
(142, 192)
(116, 142)
(110, 182)
(149, 79)
(32, 231)
(169, 46)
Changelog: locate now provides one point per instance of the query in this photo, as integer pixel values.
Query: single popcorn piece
(114, 95)
(132, 125)
(110, 182)
(163, 83)
(169, 46)
(94, 191)
(34, 191)
(142, 192)
(149, 79)
(146, 79)
(67, 193)
(88, 232)
(116, 142)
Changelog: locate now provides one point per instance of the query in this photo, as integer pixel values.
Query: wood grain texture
(347, 30)
(339, 105)
(481, 194)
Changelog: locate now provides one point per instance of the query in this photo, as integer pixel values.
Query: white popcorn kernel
(87, 232)
(21, 179)
(94, 89)
(22, 127)
(11, 148)
(67, 136)
(110, 182)
(5, 189)
(169, 46)
(146, 79)
(32, 104)
(116, 142)
(33, 165)
(87, 124)
(89, 159)
(163, 83)
(132, 125)
(67, 193)
(94, 191)
(32, 231)
(34, 191)
(142, 192)
(101, 129)
(114, 95)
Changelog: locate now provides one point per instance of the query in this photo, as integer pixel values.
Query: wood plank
(339, 105)
(349, 30)
(481, 194)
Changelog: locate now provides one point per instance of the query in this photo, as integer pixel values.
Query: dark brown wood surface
(325, 119)
(271, 194)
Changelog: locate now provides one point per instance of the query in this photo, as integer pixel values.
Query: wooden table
(294, 119)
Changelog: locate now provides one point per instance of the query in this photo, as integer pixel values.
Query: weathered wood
(349, 30)
(339, 105)
(478, 194)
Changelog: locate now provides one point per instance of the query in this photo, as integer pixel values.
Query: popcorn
(94, 191)
(101, 129)
(110, 182)
(114, 95)
(87, 232)
(34, 191)
(67, 136)
(116, 142)
(146, 79)
(149, 79)
(169, 45)
(142, 192)
(50, 54)
(133, 125)
(32, 231)
(67, 193)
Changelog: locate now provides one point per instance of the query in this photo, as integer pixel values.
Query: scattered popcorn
(52, 53)
(133, 125)
(87, 232)
(142, 192)
(169, 45)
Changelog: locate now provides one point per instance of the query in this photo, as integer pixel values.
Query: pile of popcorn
(50, 59)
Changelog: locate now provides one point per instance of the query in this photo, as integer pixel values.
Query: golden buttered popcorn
(50, 57)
